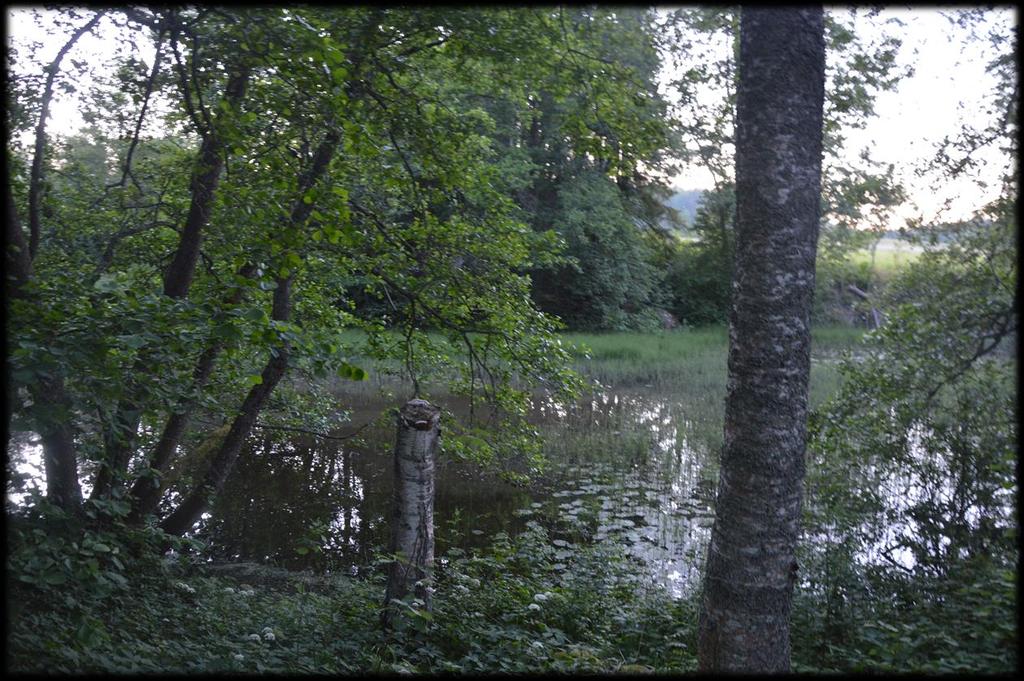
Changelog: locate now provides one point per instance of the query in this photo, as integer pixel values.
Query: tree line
(458, 185)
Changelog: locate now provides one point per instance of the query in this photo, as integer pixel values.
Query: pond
(624, 467)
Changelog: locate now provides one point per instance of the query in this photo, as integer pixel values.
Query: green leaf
(353, 373)
(55, 578)
(255, 379)
(134, 341)
(108, 283)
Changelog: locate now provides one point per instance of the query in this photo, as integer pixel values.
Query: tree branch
(35, 187)
(127, 169)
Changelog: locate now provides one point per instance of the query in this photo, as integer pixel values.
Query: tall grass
(687, 365)
(890, 257)
(688, 360)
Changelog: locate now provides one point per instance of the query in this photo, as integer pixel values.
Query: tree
(913, 461)
(703, 43)
(169, 303)
(700, 273)
(751, 567)
(583, 161)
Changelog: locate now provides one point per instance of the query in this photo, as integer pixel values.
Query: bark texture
(751, 566)
(203, 189)
(59, 452)
(412, 521)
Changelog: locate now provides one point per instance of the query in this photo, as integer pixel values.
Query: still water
(624, 468)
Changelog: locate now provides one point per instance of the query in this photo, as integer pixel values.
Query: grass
(890, 256)
(692, 362)
(680, 374)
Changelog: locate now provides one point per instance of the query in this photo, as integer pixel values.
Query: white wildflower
(229, 590)
(541, 597)
(268, 636)
(533, 606)
(254, 637)
(239, 656)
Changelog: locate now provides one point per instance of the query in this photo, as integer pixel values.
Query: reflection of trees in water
(636, 459)
(292, 502)
(303, 503)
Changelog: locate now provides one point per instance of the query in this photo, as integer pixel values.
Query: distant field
(890, 255)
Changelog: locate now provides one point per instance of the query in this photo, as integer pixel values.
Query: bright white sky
(948, 82)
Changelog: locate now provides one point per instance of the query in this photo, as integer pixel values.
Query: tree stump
(412, 521)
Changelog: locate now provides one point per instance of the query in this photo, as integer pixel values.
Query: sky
(949, 76)
(949, 79)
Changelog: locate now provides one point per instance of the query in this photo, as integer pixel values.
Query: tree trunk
(203, 188)
(177, 281)
(192, 507)
(146, 492)
(59, 457)
(148, 488)
(48, 394)
(412, 521)
(189, 510)
(751, 566)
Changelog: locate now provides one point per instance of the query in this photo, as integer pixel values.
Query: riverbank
(598, 573)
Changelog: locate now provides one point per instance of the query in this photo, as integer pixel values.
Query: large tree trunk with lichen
(751, 566)
(412, 522)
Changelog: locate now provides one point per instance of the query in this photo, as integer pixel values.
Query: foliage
(352, 167)
(922, 526)
(699, 276)
(611, 283)
(583, 163)
(505, 608)
(857, 199)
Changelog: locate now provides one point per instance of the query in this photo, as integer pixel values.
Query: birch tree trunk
(412, 522)
(751, 566)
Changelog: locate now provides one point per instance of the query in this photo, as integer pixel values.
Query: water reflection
(631, 468)
(623, 470)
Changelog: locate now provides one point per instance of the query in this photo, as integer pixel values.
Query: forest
(350, 339)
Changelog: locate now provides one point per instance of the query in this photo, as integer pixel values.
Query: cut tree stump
(412, 521)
